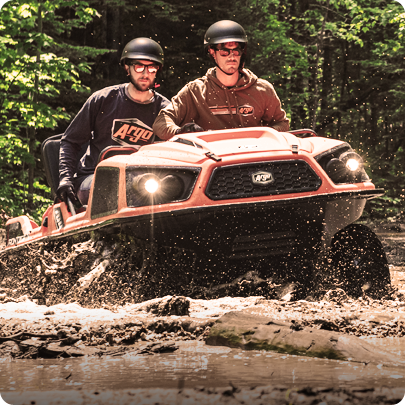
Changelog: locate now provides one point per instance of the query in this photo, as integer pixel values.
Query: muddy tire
(163, 271)
(216, 269)
(359, 262)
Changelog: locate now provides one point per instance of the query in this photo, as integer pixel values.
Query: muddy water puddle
(196, 364)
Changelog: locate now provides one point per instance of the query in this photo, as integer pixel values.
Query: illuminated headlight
(164, 189)
(146, 184)
(352, 161)
(353, 165)
(152, 186)
(347, 168)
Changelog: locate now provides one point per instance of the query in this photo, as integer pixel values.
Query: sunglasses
(140, 67)
(226, 51)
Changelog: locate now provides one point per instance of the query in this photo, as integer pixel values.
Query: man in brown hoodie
(228, 96)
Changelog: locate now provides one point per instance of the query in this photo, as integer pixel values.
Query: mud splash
(115, 274)
(104, 273)
(109, 271)
(101, 299)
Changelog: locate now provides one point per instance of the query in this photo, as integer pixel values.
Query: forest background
(338, 67)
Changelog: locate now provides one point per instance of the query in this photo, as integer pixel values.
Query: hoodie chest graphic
(244, 110)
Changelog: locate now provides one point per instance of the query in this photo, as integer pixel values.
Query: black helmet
(224, 31)
(143, 48)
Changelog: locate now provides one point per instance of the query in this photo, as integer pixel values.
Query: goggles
(223, 51)
(140, 67)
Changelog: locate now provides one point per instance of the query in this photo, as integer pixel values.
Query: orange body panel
(205, 152)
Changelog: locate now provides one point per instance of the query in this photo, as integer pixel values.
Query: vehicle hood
(193, 148)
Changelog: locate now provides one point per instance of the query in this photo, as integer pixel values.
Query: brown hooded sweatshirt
(207, 102)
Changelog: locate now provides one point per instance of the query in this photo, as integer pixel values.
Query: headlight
(151, 186)
(352, 161)
(172, 186)
(353, 165)
(347, 168)
(146, 184)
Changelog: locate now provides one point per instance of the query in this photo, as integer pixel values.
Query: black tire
(158, 271)
(359, 262)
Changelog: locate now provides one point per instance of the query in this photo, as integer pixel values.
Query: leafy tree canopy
(38, 64)
(337, 66)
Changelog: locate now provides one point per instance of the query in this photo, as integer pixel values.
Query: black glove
(66, 191)
(190, 127)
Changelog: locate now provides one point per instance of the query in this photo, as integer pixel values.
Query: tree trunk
(343, 84)
(111, 38)
(326, 77)
(31, 130)
(319, 50)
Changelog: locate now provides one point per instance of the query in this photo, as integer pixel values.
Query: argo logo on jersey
(245, 110)
(131, 131)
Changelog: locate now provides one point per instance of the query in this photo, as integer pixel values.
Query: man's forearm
(282, 126)
(164, 126)
(68, 157)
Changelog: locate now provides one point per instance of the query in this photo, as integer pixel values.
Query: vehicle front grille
(287, 177)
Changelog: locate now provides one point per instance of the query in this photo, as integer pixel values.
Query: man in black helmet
(228, 96)
(112, 116)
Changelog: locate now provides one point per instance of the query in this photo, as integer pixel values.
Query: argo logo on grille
(262, 178)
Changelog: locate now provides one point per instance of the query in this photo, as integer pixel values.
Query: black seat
(50, 159)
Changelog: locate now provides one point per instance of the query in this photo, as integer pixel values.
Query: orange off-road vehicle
(278, 201)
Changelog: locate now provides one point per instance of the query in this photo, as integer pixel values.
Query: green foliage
(337, 66)
(390, 176)
(34, 70)
(14, 154)
(277, 56)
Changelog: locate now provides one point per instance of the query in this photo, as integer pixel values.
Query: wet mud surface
(102, 299)
(228, 395)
